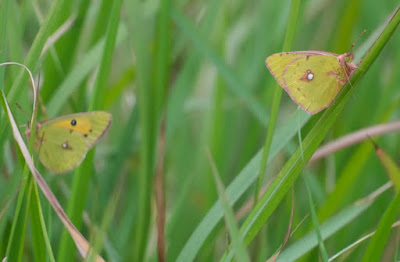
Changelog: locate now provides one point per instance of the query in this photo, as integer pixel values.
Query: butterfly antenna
(25, 113)
(363, 32)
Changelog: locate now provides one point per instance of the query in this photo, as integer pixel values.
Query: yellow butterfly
(62, 142)
(311, 78)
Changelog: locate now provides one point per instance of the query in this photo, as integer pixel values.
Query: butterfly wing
(312, 79)
(59, 149)
(63, 142)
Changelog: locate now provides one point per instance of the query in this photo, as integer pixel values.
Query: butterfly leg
(40, 142)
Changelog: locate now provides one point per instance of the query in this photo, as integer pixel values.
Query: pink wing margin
(348, 67)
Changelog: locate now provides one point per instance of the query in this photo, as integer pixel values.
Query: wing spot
(307, 77)
(73, 122)
(65, 145)
(85, 135)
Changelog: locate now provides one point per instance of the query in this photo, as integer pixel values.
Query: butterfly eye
(73, 122)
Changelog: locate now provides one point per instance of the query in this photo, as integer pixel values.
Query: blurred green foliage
(200, 65)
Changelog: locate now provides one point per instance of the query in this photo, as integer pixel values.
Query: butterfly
(62, 142)
(311, 78)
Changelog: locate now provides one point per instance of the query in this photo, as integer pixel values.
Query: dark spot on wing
(73, 122)
(85, 135)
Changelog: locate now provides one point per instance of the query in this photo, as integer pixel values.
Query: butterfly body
(311, 78)
(62, 142)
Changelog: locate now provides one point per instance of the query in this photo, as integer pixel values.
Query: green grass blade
(232, 82)
(83, 173)
(100, 85)
(324, 254)
(390, 166)
(142, 39)
(237, 242)
(41, 241)
(308, 242)
(287, 44)
(296, 163)
(73, 80)
(16, 240)
(382, 234)
(238, 187)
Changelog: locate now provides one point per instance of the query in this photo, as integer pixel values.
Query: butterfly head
(28, 130)
(346, 61)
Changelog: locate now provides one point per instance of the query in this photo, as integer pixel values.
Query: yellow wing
(60, 150)
(311, 79)
(62, 142)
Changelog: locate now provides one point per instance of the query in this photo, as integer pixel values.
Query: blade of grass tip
(81, 243)
(324, 254)
(237, 241)
(390, 166)
(287, 44)
(288, 175)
